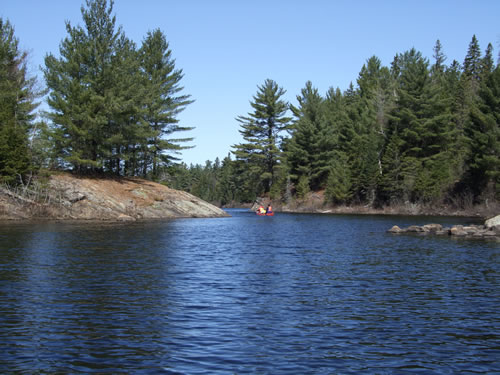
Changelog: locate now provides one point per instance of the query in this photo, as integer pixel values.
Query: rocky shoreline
(490, 229)
(69, 197)
(314, 202)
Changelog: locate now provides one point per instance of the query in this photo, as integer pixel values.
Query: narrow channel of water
(289, 294)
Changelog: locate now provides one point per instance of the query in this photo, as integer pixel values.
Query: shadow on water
(247, 294)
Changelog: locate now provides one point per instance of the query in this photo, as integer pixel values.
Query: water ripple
(292, 294)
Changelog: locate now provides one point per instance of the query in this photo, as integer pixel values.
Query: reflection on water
(262, 295)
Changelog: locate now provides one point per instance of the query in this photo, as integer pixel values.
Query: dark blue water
(290, 294)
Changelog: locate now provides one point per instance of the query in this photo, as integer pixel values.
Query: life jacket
(269, 209)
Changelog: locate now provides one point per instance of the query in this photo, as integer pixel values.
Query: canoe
(265, 214)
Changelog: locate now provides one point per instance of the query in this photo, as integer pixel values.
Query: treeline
(217, 182)
(418, 131)
(114, 105)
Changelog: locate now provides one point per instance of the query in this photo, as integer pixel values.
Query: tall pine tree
(310, 148)
(375, 100)
(163, 102)
(17, 103)
(339, 185)
(484, 138)
(423, 122)
(472, 61)
(82, 86)
(261, 130)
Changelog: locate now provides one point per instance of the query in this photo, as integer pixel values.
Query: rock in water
(493, 222)
(458, 230)
(433, 228)
(395, 229)
(470, 231)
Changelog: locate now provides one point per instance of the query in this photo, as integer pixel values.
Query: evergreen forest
(421, 131)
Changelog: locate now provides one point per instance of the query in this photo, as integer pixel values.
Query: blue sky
(226, 48)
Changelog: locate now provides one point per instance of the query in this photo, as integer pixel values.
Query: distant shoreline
(316, 206)
(394, 211)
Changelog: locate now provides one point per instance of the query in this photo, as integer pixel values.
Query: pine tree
(227, 187)
(83, 85)
(339, 185)
(163, 101)
(342, 116)
(446, 80)
(372, 108)
(14, 153)
(390, 182)
(484, 137)
(472, 61)
(179, 177)
(424, 124)
(310, 147)
(453, 84)
(17, 103)
(302, 188)
(487, 64)
(438, 68)
(471, 77)
(125, 128)
(261, 130)
(337, 118)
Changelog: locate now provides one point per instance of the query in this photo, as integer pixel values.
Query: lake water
(289, 294)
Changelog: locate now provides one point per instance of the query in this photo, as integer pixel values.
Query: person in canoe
(269, 209)
(261, 210)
